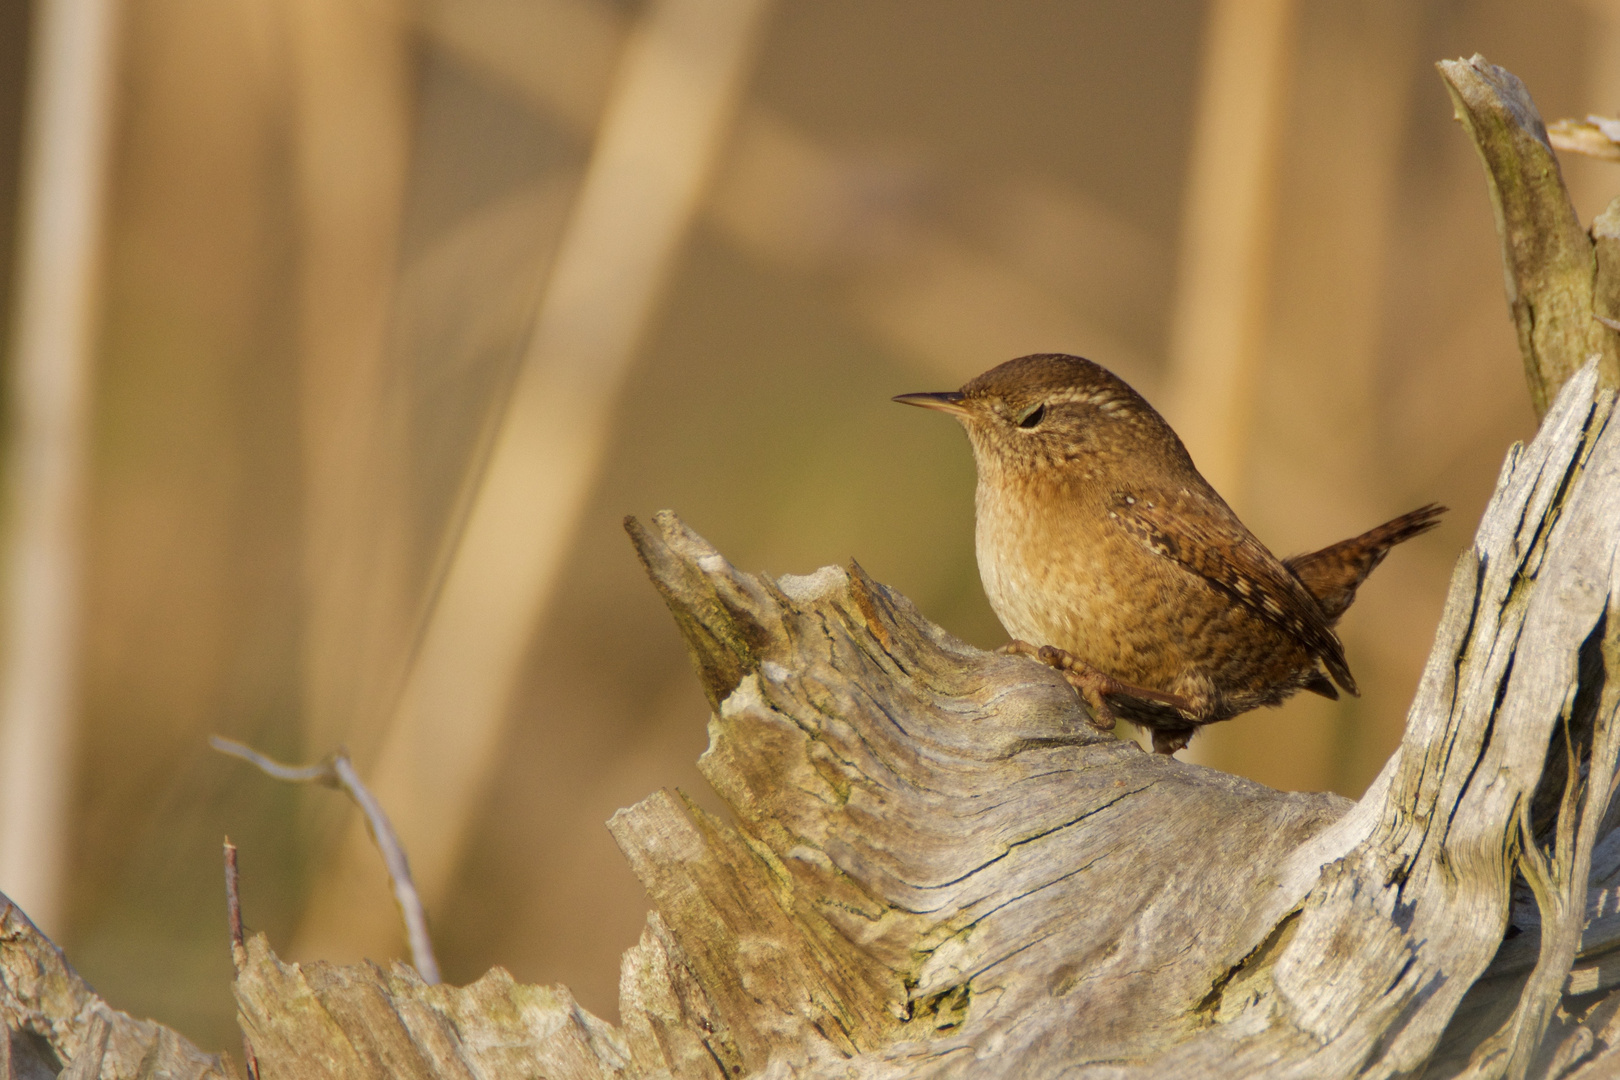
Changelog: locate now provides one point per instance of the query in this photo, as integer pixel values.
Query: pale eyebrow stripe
(1106, 400)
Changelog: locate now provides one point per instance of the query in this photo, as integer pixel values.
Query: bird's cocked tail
(1333, 574)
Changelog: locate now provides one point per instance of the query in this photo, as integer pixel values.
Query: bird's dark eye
(1033, 417)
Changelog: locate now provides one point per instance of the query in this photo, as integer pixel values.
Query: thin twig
(233, 902)
(336, 771)
(233, 907)
(1595, 137)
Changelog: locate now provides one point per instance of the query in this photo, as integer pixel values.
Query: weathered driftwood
(50, 1019)
(935, 867)
(1068, 900)
(1549, 264)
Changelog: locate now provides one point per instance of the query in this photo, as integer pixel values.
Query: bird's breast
(1058, 571)
(1039, 560)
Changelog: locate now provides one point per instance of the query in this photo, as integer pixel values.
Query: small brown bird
(1105, 554)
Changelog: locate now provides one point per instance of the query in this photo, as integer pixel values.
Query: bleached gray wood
(52, 1023)
(1104, 912)
(1549, 265)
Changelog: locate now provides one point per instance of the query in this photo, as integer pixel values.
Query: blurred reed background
(403, 304)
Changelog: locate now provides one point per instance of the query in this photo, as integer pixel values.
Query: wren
(1105, 554)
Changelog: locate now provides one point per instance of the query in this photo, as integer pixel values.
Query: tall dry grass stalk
(59, 265)
(1228, 222)
(678, 84)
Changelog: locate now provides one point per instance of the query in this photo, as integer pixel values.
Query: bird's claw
(1087, 681)
(1094, 686)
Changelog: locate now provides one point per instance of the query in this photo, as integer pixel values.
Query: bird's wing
(1211, 542)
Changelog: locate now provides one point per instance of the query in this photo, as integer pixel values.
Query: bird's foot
(1093, 686)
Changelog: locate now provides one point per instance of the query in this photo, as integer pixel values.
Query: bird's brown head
(1052, 412)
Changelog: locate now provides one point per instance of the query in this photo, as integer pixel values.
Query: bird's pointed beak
(949, 401)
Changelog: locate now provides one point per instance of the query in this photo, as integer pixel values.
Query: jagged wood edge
(346, 1022)
(929, 802)
(51, 1020)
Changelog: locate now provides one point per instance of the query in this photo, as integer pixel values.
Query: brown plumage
(1105, 553)
(1334, 573)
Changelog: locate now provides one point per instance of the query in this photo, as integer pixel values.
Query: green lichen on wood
(1606, 286)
